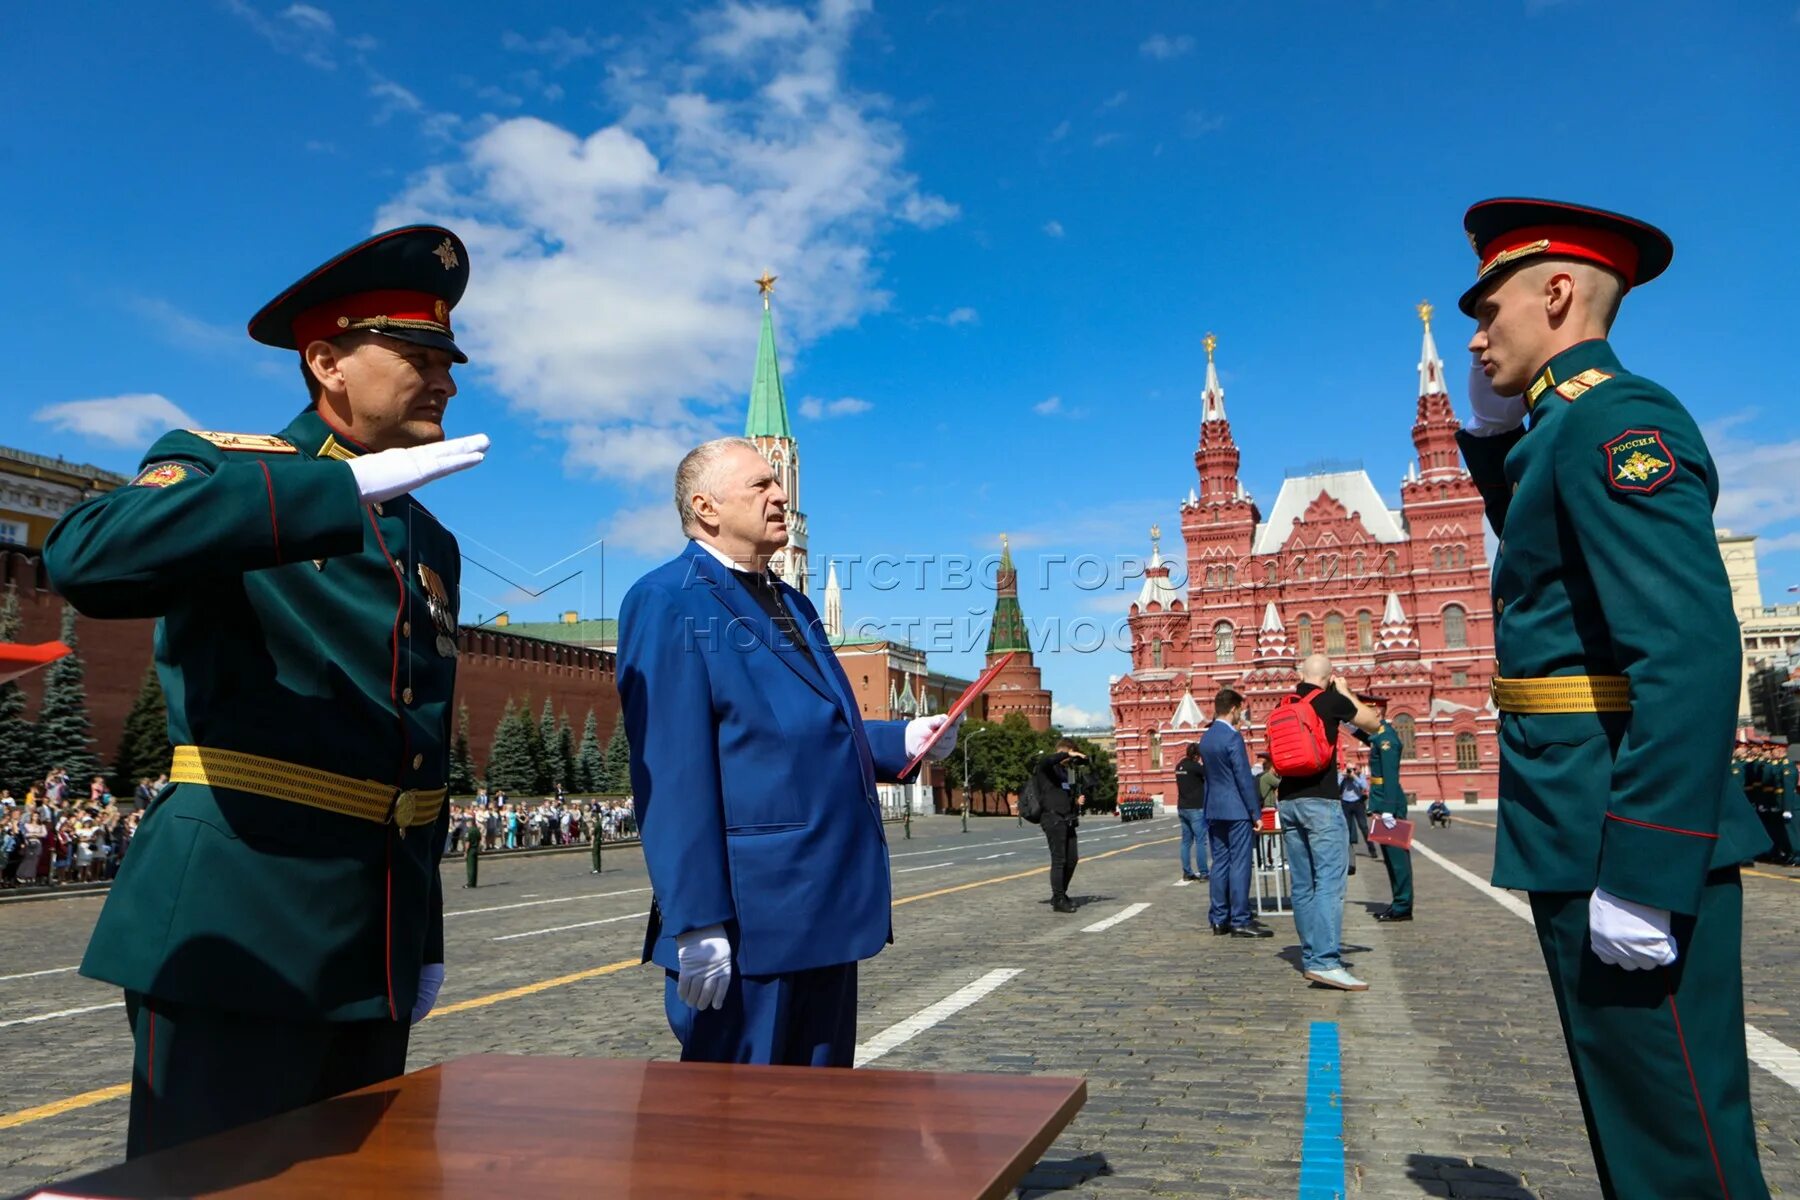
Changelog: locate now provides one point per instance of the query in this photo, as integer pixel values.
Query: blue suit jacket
(1230, 787)
(753, 775)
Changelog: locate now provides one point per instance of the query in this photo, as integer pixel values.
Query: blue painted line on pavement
(1322, 1138)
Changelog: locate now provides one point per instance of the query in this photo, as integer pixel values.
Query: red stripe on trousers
(1705, 1126)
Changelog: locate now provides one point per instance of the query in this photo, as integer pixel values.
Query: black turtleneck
(762, 587)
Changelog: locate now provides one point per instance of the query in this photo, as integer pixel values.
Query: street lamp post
(965, 749)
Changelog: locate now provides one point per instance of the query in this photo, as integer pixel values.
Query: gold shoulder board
(259, 443)
(1589, 379)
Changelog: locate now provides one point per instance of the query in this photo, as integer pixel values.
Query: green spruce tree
(65, 735)
(509, 762)
(462, 764)
(565, 755)
(144, 750)
(615, 772)
(543, 747)
(18, 737)
(590, 760)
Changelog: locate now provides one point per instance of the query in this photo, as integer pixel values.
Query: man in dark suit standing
(1062, 801)
(754, 777)
(1231, 813)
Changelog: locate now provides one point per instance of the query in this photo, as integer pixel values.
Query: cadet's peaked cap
(1375, 701)
(1510, 232)
(401, 284)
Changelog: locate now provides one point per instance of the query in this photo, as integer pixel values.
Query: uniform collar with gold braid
(1574, 371)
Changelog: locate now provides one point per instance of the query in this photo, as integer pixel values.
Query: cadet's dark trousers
(197, 1071)
(1059, 831)
(807, 1019)
(1399, 869)
(472, 867)
(1659, 1055)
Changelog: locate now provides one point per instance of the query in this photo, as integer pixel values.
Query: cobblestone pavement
(1194, 1047)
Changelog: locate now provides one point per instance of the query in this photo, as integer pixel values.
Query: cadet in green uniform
(1618, 683)
(472, 852)
(278, 924)
(1739, 772)
(1387, 797)
(1782, 789)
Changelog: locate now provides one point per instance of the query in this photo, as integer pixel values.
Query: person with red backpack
(1302, 735)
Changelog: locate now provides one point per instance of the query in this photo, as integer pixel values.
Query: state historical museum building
(1398, 598)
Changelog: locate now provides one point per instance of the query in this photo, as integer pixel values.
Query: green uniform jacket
(295, 623)
(1385, 793)
(1608, 566)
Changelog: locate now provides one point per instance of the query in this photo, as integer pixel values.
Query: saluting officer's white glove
(920, 728)
(1627, 934)
(705, 958)
(1491, 413)
(431, 981)
(1387, 820)
(389, 473)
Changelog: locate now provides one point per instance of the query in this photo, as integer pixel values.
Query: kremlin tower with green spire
(1020, 687)
(767, 426)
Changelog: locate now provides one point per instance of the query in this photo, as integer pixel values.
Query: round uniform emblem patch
(1638, 460)
(161, 475)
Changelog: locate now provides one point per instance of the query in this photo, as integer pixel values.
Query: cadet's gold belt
(364, 799)
(1562, 694)
(1376, 779)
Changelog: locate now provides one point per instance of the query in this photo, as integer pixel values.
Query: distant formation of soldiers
(1768, 777)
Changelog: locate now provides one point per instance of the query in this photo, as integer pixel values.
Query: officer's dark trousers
(472, 869)
(1659, 1055)
(807, 1019)
(197, 1071)
(1399, 869)
(1059, 831)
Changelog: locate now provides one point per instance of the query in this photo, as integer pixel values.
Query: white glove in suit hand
(389, 473)
(1491, 413)
(1627, 934)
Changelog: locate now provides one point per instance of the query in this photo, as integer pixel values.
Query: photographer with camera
(1060, 799)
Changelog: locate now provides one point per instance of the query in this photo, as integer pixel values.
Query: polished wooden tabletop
(501, 1126)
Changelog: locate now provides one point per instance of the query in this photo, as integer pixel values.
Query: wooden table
(502, 1126)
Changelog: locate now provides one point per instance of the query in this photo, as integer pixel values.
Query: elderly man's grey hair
(698, 472)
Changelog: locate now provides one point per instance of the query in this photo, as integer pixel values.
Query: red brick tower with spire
(1020, 687)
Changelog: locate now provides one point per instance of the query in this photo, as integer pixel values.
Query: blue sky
(1001, 230)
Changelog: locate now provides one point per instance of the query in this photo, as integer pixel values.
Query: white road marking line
(1771, 1054)
(469, 912)
(507, 937)
(928, 867)
(947, 849)
(1102, 926)
(992, 857)
(898, 1035)
(35, 974)
(67, 1012)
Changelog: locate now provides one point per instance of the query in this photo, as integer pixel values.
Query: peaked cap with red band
(401, 284)
(1510, 232)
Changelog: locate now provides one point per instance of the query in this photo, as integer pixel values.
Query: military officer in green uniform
(278, 925)
(1617, 689)
(1387, 799)
(1782, 790)
(472, 852)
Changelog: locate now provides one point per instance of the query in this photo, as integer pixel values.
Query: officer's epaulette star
(259, 443)
(1589, 379)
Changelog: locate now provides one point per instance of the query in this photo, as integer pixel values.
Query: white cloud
(1106, 139)
(648, 529)
(1067, 716)
(1053, 228)
(1162, 46)
(962, 316)
(1198, 123)
(307, 17)
(302, 31)
(559, 45)
(815, 409)
(1060, 132)
(1759, 481)
(612, 265)
(1049, 406)
(394, 99)
(1116, 99)
(129, 420)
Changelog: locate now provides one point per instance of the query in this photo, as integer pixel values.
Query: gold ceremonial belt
(363, 799)
(1376, 779)
(1562, 694)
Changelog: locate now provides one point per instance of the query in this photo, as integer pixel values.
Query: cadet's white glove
(1387, 820)
(389, 473)
(705, 958)
(431, 980)
(1627, 934)
(919, 729)
(1491, 413)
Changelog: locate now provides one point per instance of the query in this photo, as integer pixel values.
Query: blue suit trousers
(1231, 845)
(803, 1019)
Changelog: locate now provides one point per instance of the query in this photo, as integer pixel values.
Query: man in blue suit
(754, 777)
(1232, 809)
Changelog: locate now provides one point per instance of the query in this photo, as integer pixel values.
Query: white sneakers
(1338, 978)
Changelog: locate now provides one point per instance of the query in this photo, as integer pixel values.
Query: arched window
(1356, 564)
(1468, 757)
(1230, 576)
(1403, 725)
(1156, 652)
(1299, 571)
(1306, 646)
(1334, 633)
(1391, 563)
(1328, 566)
(1457, 558)
(1365, 632)
(1225, 641)
(1271, 570)
(1456, 628)
(1155, 751)
(1437, 558)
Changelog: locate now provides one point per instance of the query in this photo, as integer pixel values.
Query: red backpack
(1297, 742)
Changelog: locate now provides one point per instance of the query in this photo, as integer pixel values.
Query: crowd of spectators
(502, 823)
(56, 835)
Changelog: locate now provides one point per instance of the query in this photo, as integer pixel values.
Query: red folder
(1399, 837)
(956, 710)
(18, 659)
